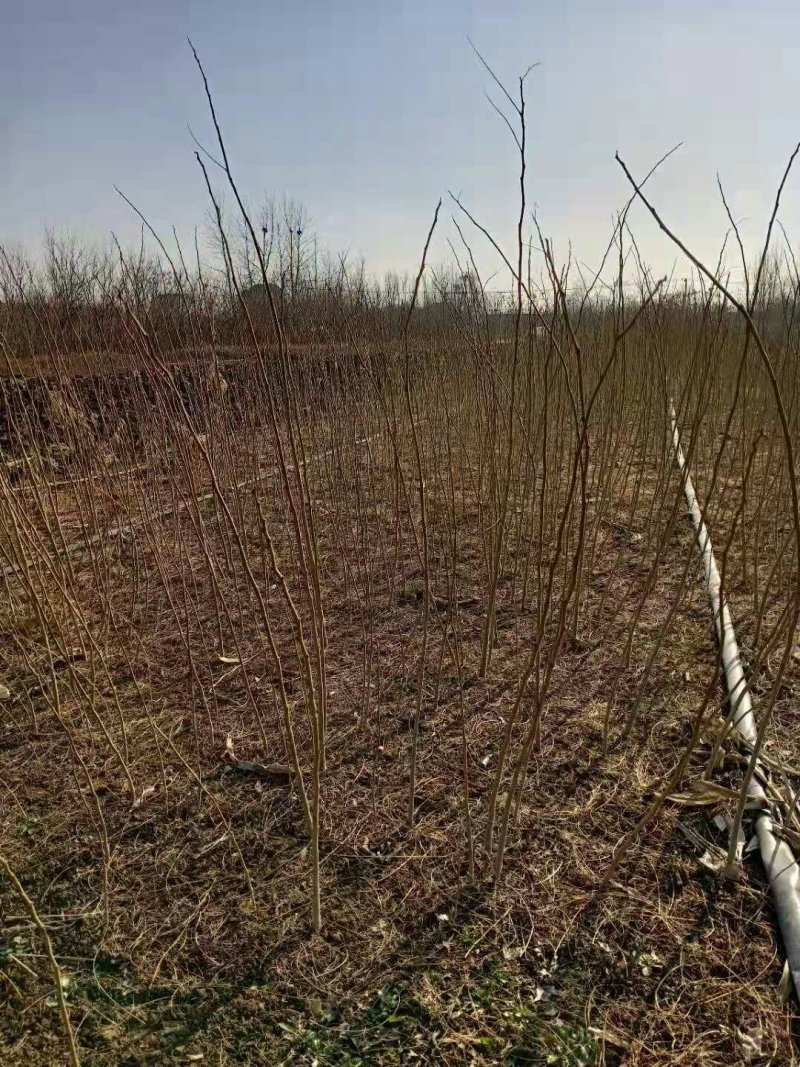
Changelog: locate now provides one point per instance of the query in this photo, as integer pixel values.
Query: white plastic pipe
(779, 863)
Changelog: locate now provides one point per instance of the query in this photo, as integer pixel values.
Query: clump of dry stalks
(193, 486)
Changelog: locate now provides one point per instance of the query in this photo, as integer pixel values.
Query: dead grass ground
(414, 964)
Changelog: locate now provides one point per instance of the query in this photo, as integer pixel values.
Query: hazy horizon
(368, 116)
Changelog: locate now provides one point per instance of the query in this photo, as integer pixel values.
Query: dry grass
(414, 962)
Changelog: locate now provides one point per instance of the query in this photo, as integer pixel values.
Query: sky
(368, 111)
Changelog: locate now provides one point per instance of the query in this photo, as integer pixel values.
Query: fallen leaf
(713, 863)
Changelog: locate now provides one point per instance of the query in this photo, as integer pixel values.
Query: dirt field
(190, 941)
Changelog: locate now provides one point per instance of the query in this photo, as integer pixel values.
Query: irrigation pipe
(780, 865)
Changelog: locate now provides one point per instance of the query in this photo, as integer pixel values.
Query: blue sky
(369, 111)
